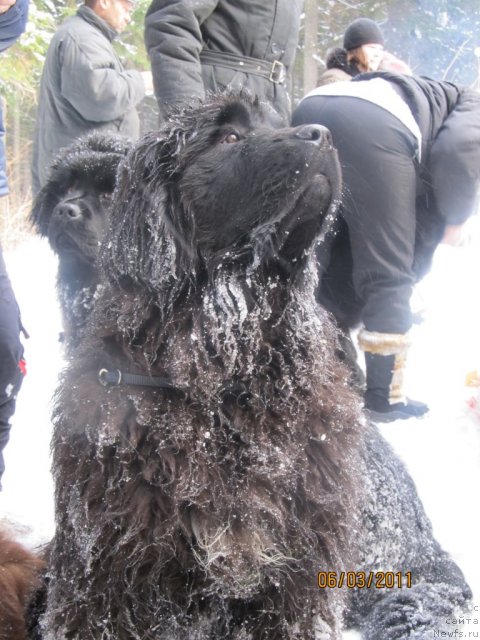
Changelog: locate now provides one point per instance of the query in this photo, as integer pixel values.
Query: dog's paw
(411, 614)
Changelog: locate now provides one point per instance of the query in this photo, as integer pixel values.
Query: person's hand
(6, 4)
(147, 81)
(456, 235)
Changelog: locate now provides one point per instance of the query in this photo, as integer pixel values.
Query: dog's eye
(231, 137)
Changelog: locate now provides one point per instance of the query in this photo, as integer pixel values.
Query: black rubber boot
(383, 388)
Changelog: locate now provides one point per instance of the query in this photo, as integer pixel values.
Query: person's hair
(90, 3)
(357, 59)
(338, 58)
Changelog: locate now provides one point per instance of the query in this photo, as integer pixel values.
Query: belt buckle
(277, 72)
(106, 378)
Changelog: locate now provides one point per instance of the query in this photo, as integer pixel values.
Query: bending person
(410, 154)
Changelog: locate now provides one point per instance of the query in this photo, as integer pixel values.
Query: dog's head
(72, 209)
(219, 183)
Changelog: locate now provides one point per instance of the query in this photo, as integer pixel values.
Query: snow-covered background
(442, 451)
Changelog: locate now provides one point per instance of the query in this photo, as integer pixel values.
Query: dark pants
(369, 271)
(11, 351)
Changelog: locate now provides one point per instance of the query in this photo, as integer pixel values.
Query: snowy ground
(27, 496)
(442, 451)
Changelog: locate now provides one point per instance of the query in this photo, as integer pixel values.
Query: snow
(27, 496)
(442, 450)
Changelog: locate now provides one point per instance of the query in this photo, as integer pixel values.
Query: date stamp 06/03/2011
(364, 579)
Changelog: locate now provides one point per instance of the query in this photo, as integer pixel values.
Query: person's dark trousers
(381, 182)
(11, 353)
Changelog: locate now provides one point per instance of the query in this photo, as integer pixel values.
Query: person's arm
(174, 41)
(13, 19)
(96, 90)
(454, 160)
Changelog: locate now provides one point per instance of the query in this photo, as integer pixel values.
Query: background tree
(437, 38)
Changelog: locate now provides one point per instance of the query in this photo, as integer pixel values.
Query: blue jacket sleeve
(12, 23)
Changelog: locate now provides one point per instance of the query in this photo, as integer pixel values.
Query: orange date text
(364, 579)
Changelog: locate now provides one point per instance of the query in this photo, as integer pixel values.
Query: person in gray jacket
(202, 46)
(84, 85)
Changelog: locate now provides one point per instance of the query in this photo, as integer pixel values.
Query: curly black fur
(72, 211)
(205, 511)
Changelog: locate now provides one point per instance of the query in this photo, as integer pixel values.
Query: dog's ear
(42, 208)
(150, 233)
(105, 143)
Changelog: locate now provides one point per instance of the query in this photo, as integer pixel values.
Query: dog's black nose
(67, 210)
(315, 133)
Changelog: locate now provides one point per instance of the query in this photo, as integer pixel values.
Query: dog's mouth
(320, 195)
(311, 215)
(63, 243)
(67, 247)
(288, 238)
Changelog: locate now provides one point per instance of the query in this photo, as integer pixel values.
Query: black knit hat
(362, 31)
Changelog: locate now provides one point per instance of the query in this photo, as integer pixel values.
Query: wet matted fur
(205, 511)
(20, 577)
(72, 211)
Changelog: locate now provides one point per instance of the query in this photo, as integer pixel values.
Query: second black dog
(72, 211)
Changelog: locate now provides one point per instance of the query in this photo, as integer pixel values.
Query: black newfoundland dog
(72, 211)
(215, 478)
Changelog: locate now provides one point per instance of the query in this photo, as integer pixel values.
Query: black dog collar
(115, 377)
